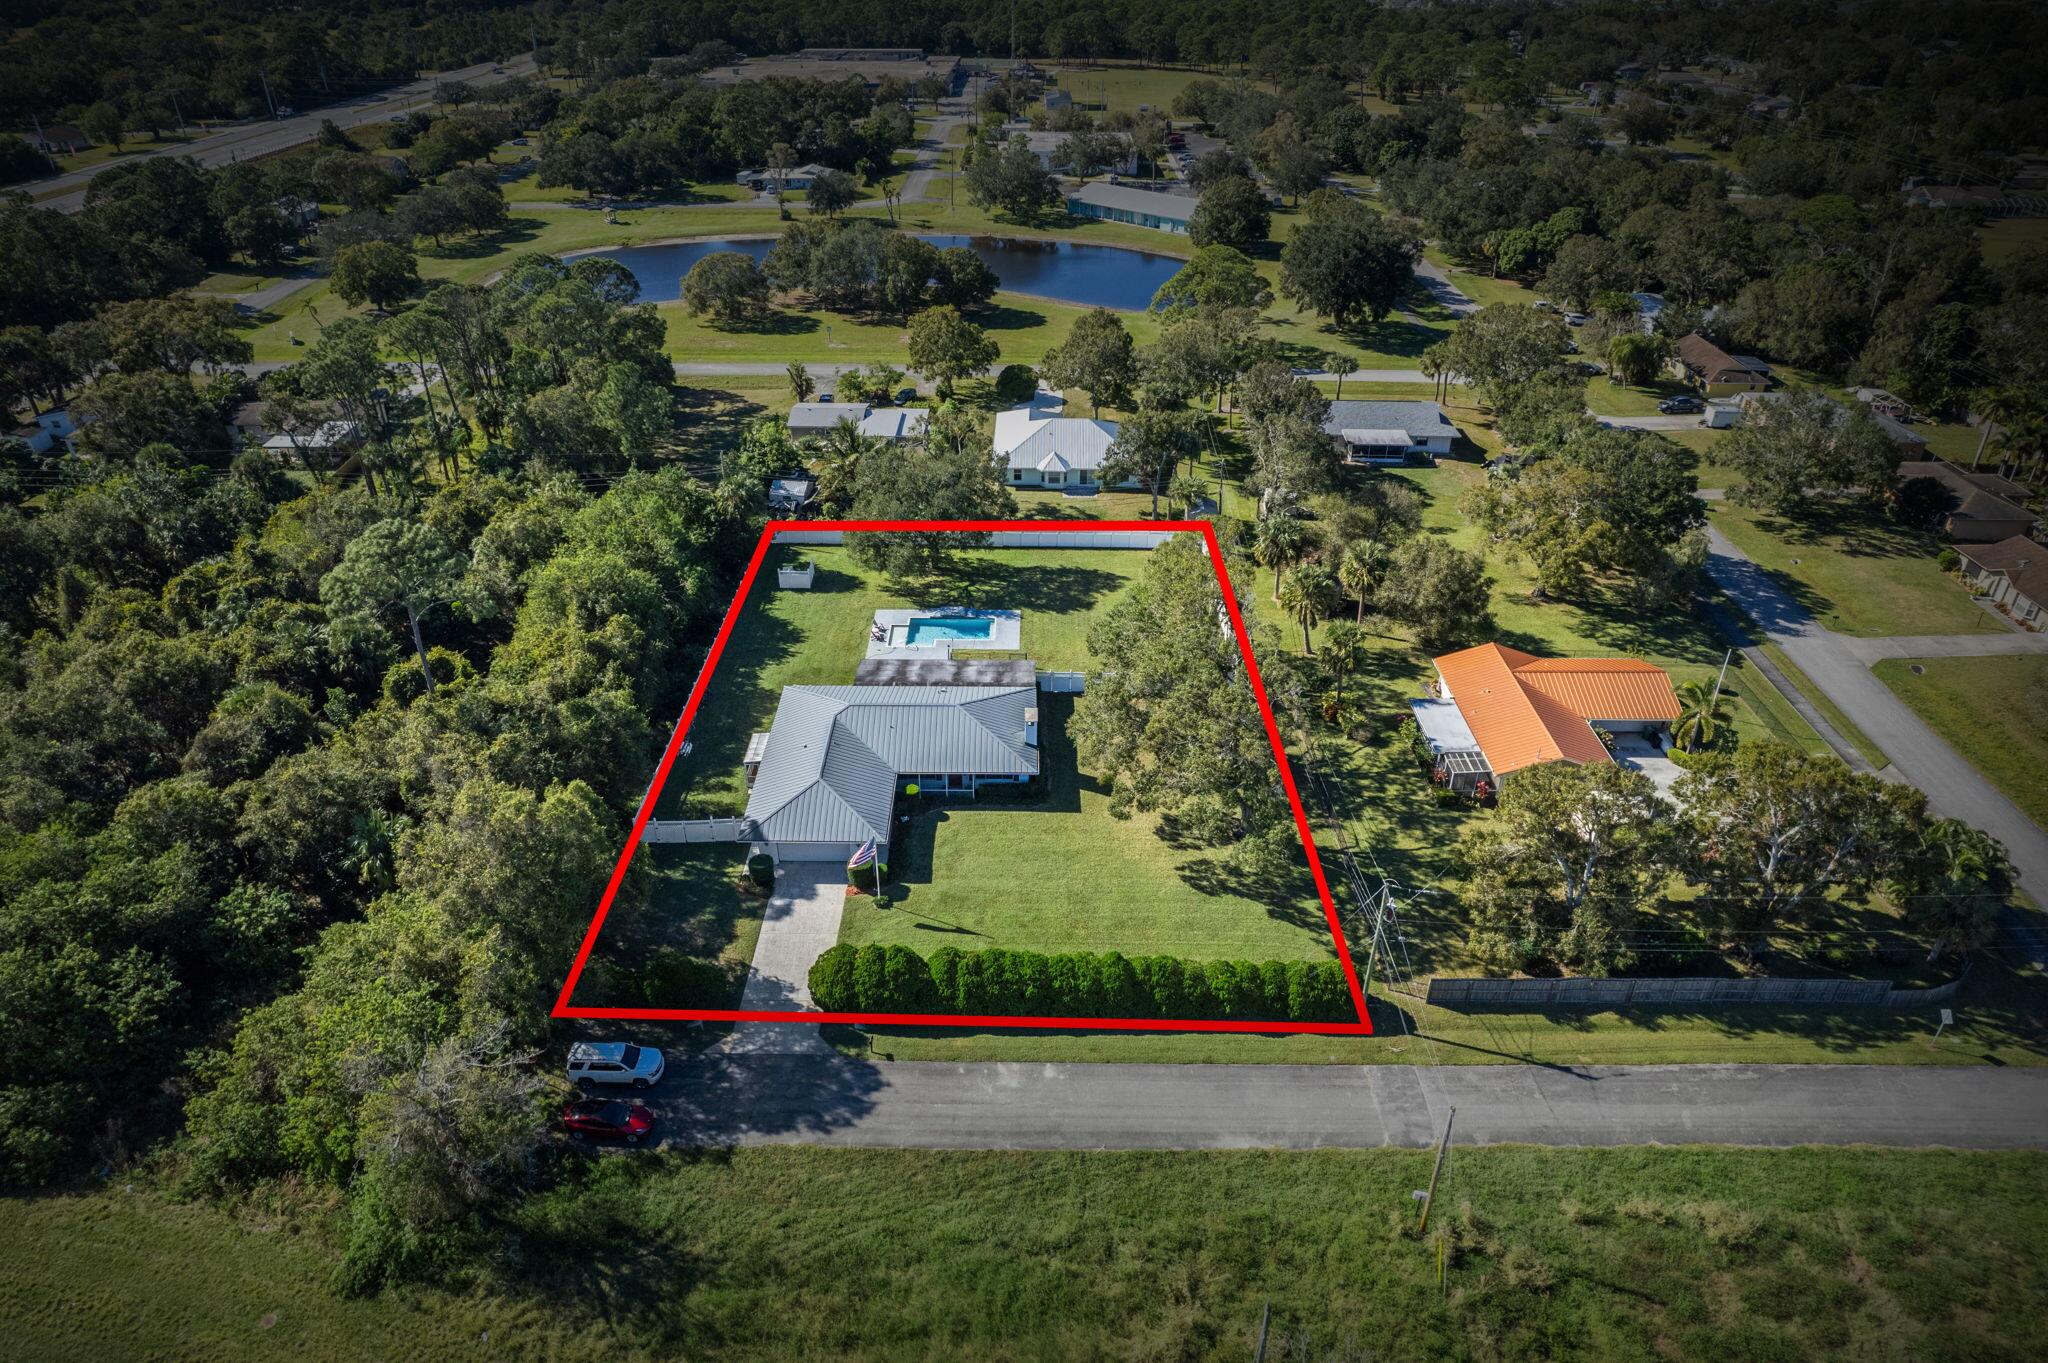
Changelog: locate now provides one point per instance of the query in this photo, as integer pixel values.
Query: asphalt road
(1918, 755)
(251, 140)
(763, 1100)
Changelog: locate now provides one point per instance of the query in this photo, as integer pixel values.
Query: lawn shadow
(988, 584)
(515, 232)
(769, 322)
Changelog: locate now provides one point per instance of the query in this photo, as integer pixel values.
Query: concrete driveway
(800, 922)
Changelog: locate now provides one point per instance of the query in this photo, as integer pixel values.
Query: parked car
(614, 1062)
(1575, 319)
(1681, 406)
(614, 1118)
(904, 395)
(1544, 305)
(825, 396)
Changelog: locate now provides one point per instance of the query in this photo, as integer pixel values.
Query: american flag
(865, 855)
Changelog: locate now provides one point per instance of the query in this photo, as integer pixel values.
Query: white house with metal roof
(826, 774)
(1161, 210)
(1042, 447)
(1390, 432)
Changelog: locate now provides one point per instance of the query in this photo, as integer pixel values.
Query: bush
(761, 870)
(895, 979)
(1948, 560)
(832, 987)
(671, 978)
(1016, 383)
(870, 877)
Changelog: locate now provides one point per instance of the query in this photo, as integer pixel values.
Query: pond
(1064, 271)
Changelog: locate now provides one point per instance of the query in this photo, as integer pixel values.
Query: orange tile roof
(1523, 709)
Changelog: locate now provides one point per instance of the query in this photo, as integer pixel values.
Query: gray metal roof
(1421, 420)
(1158, 203)
(835, 752)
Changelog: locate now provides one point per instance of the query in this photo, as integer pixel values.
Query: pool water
(946, 631)
(1087, 273)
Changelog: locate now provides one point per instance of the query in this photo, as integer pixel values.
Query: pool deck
(1006, 629)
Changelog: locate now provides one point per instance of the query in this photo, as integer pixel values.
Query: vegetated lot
(1055, 873)
(1994, 711)
(1060, 874)
(1856, 570)
(775, 1253)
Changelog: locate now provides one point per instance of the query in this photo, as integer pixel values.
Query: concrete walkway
(1918, 755)
(800, 922)
(760, 1100)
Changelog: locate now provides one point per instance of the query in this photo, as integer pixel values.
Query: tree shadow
(1008, 317)
(767, 322)
(987, 584)
(515, 232)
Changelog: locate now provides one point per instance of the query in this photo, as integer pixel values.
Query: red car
(630, 1122)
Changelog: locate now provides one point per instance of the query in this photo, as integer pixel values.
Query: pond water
(1065, 271)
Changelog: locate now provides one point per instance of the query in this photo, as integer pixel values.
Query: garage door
(813, 851)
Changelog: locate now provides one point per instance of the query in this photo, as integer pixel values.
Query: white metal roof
(1354, 435)
(1029, 437)
(823, 416)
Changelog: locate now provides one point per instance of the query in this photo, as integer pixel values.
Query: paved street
(1835, 665)
(1437, 284)
(756, 1100)
(1947, 645)
(251, 140)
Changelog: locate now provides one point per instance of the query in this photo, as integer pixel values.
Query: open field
(2005, 238)
(770, 1254)
(1857, 571)
(1994, 711)
(1060, 874)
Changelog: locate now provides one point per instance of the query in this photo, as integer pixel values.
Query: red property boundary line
(1362, 1027)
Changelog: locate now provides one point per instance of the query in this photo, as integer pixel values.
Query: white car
(614, 1062)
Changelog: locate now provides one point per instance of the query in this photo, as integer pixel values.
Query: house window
(1017, 475)
(1055, 479)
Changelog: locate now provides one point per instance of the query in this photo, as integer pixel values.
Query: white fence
(1063, 683)
(694, 830)
(1017, 539)
(1452, 992)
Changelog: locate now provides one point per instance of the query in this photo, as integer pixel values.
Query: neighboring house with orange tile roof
(1515, 710)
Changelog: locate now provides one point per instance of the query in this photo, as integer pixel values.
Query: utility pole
(1265, 1320)
(1443, 1148)
(179, 112)
(264, 76)
(1726, 658)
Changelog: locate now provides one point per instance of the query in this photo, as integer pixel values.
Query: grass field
(1994, 711)
(1059, 874)
(1858, 572)
(1685, 1253)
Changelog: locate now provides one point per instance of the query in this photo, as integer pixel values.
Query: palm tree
(1306, 592)
(1344, 650)
(800, 382)
(1701, 715)
(1276, 542)
(1185, 490)
(836, 458)
(1338, 363)
(1359, 570)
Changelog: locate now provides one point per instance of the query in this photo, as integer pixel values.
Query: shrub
(761, 870)
(671, 978)
(870, 877)
(832, 987)
(871, 977)
(1016, 383)
(944, 965)
(907, 983)
(1948, 560)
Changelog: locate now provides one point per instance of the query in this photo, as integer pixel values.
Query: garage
(785, 852)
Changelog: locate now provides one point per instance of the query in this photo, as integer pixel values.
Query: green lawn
(1612, 399)
(818, 637)
(2007, 237)
(1994, 711)
(1859, 572)
(1060, 874)
(1684, 1253)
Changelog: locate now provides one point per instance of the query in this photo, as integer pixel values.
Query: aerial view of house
(1042, 447)
(1497, 710)
(889, 683)
(1392, 432)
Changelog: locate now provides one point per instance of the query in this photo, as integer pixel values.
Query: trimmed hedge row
(895, 979)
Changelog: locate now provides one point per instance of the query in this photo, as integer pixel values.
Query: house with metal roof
(1390, 432)
(894, 424)
(1509, 710)
(1160, 210)
(825, 776)
(1041, 447)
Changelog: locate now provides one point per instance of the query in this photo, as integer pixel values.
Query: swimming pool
(925, 630)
